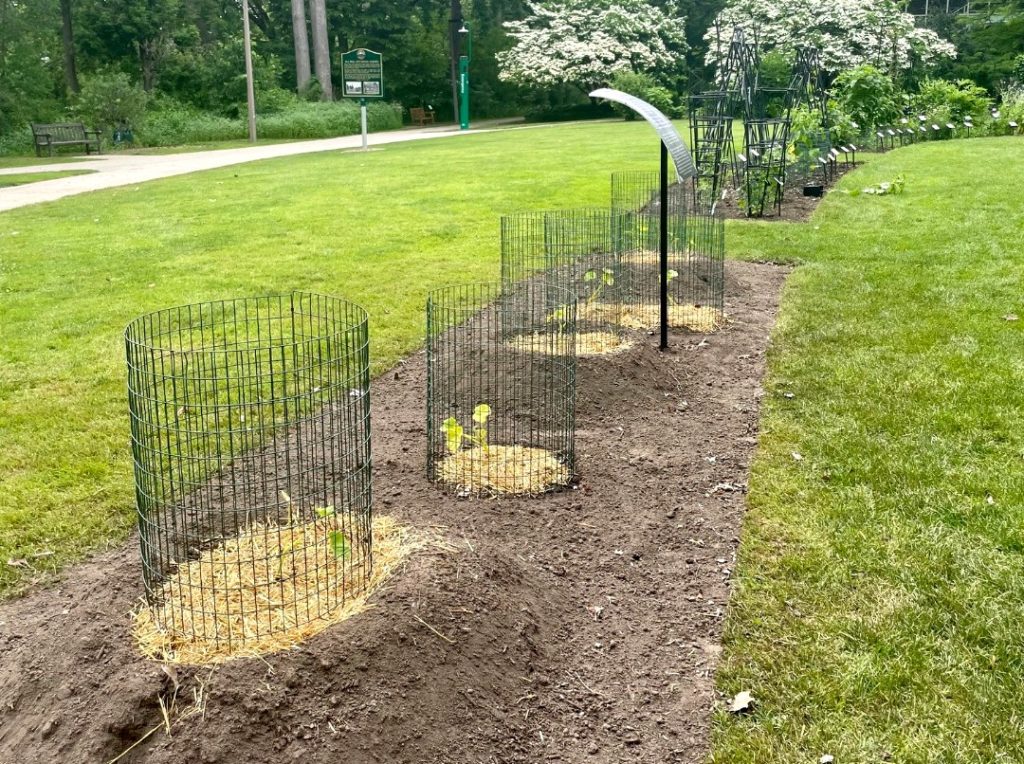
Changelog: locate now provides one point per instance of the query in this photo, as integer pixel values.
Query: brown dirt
(796, 208)
(580, 626)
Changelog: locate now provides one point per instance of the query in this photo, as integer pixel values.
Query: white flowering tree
(848, 32)
(585, 42)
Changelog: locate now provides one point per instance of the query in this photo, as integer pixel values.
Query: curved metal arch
(662, 125)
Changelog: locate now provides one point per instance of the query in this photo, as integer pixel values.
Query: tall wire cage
(501, 387)
(250, 431)
(574, 250)
(696, 253)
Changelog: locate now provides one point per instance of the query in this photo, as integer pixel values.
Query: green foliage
(173, 124)
(110, 100)
(598, 280)
(953, 100)
(776, 69)
(30, 66)
(212, 78)
(867, 95)
(1011, 108)
(644, 86)
(455, 434)
(570, 112)
(339, 544)
(884, 188)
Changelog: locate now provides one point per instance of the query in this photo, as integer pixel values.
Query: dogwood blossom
(584, 42)
(848, 32)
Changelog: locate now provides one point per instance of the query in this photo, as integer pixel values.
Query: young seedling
(336, 538)
(607, 279)
(560, 316)
(455, 434)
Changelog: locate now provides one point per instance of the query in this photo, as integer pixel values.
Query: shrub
(642, 86)
(1011, 108)
(955, 99)
(570, 112)
(173, 123)
(107, 101)
(867, 95)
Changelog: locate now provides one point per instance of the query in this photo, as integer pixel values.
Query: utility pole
(250, 91)
(453, 36)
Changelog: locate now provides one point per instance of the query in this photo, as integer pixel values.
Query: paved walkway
(114, 170)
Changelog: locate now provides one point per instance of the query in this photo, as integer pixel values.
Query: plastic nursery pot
(815, 189)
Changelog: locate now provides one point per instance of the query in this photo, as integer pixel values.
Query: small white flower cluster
(585, 42)
(848, 32)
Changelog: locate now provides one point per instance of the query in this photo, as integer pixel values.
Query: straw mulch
(504, 469)
(697, 318)
(587, 344)
(264, 591)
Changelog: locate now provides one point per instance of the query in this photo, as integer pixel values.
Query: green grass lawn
(380, 228)
(6, 162)
(21, 178)
(880, 588)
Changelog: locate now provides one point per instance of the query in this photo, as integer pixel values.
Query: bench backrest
(64, 131)
(417, 113)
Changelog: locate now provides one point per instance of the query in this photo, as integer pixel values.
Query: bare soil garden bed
(579, 626)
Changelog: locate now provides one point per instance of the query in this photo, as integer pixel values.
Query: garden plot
(581, 625)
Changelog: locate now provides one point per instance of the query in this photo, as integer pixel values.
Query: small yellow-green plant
(607, 278)
(455, 433)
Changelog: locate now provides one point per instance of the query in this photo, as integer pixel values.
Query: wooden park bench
(421, 116)
(64, 134)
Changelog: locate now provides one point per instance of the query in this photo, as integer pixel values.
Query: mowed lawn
(878, 614)
(380, 228)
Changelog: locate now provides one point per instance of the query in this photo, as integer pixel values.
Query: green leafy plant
(600, 279)
(335, 537)
(455, 433)
(958, 99)
(646, 87)
(559, 316)
(107, 101)
(886, 188)
(867, 95)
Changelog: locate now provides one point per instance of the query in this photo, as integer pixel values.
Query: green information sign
(362, 71)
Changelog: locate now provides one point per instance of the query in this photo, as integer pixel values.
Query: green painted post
(463, 93)
(464, 79)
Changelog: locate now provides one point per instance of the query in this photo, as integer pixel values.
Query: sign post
(362, 71)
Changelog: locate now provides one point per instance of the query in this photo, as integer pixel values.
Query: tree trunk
(321, 47)
(68, 37)
(302, 72)
(454, 24)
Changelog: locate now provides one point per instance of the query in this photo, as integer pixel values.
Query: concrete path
(114, 170)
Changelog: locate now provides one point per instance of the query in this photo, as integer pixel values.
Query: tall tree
(321, 47)
(301, 37)
(848, 32)
(68, 40)
(585, 42)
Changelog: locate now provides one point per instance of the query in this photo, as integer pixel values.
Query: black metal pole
(664, 247)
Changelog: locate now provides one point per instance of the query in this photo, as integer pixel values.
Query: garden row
(251, 418)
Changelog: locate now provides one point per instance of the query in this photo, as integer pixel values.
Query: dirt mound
(577, 626)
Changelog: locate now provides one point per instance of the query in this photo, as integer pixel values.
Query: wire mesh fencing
(251, 444)
(573, 250)
(501, 387)
(696, 253)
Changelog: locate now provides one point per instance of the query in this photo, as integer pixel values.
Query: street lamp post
(464, 79)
